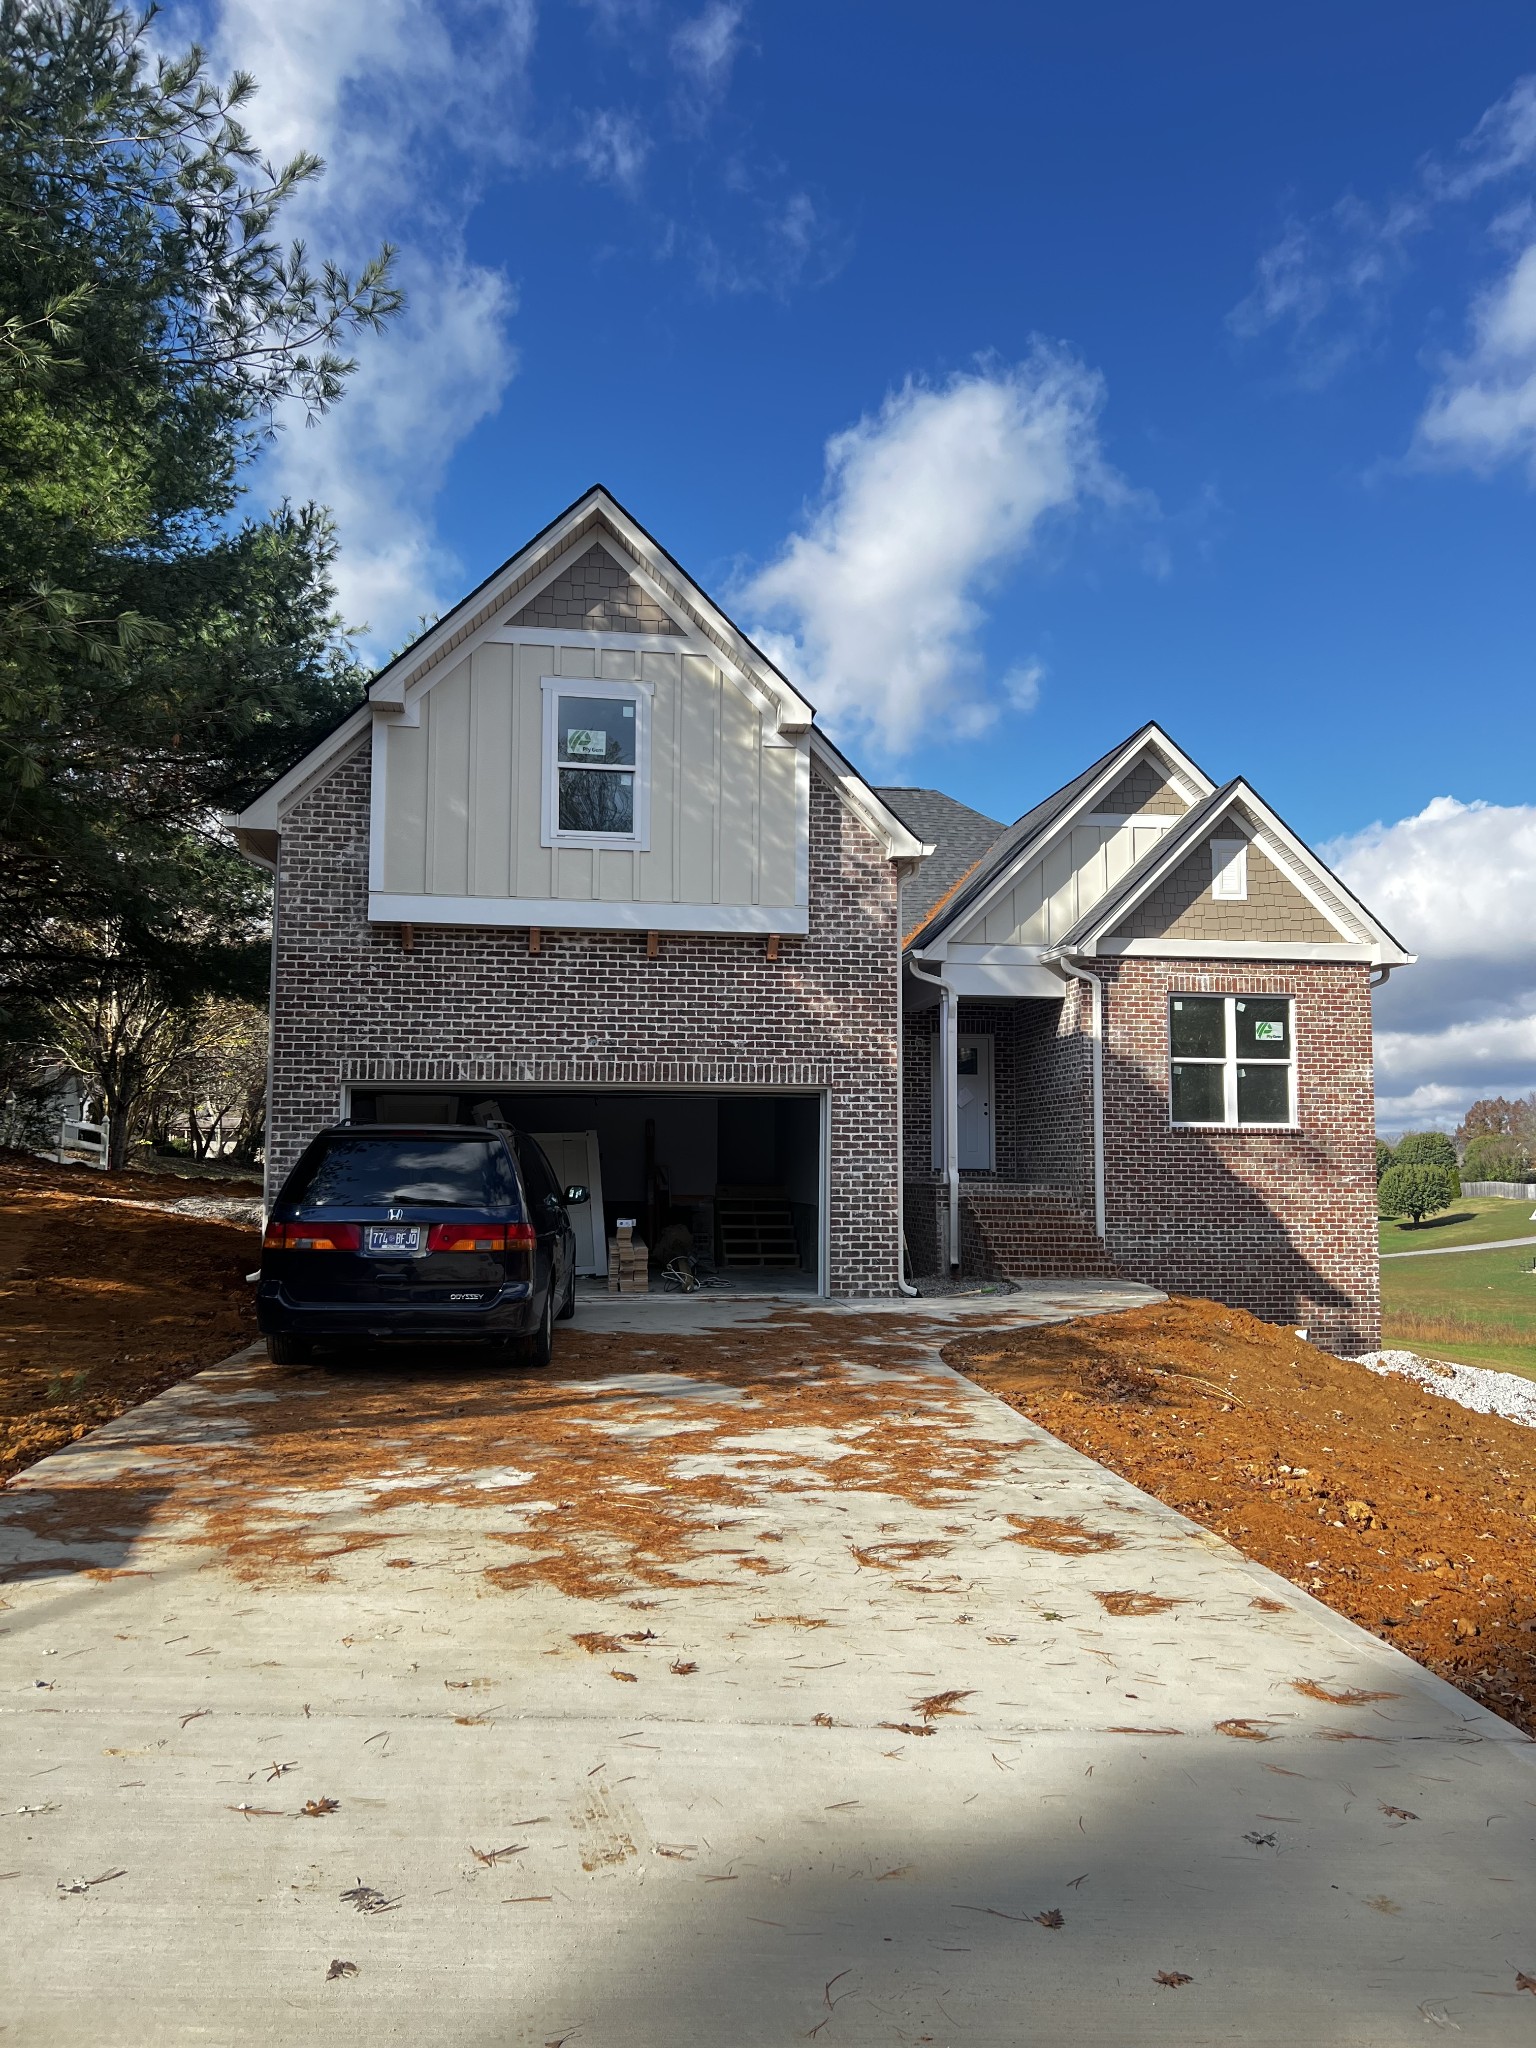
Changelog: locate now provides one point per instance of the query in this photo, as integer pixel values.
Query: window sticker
(1271, 1028)
(585, 743)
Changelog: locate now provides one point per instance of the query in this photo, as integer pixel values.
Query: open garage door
(739, 1179)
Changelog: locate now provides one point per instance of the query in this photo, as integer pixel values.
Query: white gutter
(1065, 966)
(949, 1019)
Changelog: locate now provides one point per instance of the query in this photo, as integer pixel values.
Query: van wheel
(285, 1349)
(539, 1349)
(568, 1307)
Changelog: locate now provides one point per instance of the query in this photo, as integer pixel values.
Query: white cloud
(1483, 410)
(611, 148)
(1454, 883)
(874, 604)
(704, 48)
(407, 101)
(1327, 282)
(1021, 685)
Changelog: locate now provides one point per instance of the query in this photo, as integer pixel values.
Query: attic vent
(1229, 870)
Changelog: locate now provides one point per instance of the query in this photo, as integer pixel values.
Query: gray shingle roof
(959, 835)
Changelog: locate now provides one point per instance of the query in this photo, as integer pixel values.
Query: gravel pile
(216, 1208)
(1474, 1386)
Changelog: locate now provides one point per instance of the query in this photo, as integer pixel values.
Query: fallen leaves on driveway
(583, 1498)
(938, 1703)
(367, 1898)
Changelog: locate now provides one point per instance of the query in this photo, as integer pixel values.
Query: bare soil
(103, 1304)
(1411, 1516)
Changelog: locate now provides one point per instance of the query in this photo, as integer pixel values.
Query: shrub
(1496, 1158)
(1416, 1191)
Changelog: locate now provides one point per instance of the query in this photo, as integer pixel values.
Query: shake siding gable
(1184, 907)
(596, 595)
(470, 1004)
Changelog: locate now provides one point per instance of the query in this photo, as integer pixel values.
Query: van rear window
(354, 1171)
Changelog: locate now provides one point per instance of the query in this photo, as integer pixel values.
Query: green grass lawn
(1478, 1309)
(1475, 1219)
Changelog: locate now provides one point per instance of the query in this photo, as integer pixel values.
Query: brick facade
(473, 1005)
(1282, 1223)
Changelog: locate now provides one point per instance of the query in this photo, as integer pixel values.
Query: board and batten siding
(1064, 884)
(464, 789)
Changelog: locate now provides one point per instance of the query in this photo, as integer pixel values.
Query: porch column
(949, 1112)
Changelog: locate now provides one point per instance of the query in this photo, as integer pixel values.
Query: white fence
(1512, 1190)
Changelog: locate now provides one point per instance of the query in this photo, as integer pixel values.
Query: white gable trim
(901, 843)
(582, 525)
(267, 812)
(1186, 776)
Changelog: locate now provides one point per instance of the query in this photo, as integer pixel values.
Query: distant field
(1478, 1309)
(1476, 1219)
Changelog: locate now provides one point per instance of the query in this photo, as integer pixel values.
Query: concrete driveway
(748, 1678)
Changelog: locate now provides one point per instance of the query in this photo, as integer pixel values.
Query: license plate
(392, 1237)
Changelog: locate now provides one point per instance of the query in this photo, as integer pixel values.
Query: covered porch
(998, 1133)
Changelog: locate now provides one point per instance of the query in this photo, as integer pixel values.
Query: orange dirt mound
(102, 1305)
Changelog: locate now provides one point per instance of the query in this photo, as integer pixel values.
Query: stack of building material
(629, 1261)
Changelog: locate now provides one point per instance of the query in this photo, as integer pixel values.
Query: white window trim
(1229, 870)
(637, 693)
(1229, 1061)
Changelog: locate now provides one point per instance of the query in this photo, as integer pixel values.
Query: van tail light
(480, 1237)
(312, 1237)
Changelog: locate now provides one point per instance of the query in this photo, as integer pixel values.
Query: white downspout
(949, 1018)
(1065, 966)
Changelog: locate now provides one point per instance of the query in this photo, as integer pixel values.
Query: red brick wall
(472, 1005)
(1282, 1223)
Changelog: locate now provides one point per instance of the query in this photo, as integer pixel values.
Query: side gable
(478, 818)
(1290, 906)
(1184, 906)
(1058, 860)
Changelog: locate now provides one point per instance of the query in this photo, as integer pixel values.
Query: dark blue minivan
(420, 1231)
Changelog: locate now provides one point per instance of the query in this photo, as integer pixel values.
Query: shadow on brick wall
(1280, 1223)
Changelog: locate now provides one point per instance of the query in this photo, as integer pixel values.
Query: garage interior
(734, 1178)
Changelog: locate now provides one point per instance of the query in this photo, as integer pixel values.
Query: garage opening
(738, 1180)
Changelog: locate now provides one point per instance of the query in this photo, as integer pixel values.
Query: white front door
(573, 1155)
(973, 1097)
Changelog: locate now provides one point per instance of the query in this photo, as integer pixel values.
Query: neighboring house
(584, 858)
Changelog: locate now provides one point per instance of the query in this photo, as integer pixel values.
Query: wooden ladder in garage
(756, 1227)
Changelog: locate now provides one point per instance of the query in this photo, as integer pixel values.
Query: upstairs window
(596, 754)
(1232, 1060)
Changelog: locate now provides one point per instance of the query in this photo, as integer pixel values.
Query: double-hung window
(1232, 1060)
(596, 763)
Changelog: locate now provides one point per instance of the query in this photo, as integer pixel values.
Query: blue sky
(1018, 373)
